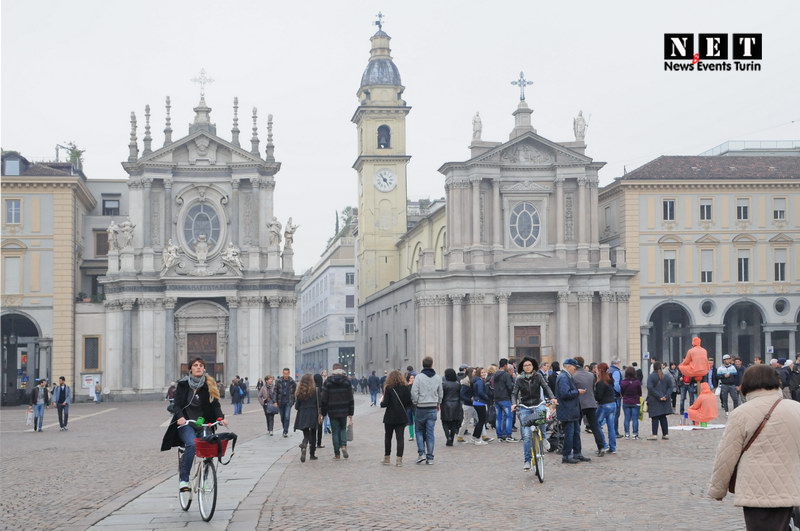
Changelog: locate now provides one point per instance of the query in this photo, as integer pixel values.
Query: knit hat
(571, 361)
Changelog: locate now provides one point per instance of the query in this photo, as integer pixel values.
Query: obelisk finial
(254, 141)
(235, 129)
(148, 140)
(168, 128)
(133, 147)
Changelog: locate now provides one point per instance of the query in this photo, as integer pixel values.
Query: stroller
(555, 434)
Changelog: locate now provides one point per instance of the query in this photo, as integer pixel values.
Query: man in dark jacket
(284, 394)
(374, 384)
(40, 400)
(503, 385)
(338, 404)
(585, 380)
(569, 412)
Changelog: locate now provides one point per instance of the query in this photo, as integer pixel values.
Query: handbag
(29, 417)
(350, 432)
(732, 481)
(271, 408)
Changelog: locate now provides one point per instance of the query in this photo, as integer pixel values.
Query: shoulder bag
(732, 481)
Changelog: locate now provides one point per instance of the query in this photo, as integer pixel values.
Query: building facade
(510, 264)
(327, 308)
(715, 240)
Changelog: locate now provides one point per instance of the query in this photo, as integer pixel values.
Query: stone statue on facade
(125, 234)
(274, 227)
(288, 235)
(113, 236)
(477, 126)
(231, 257)
(579, 126)
(201, 248)
(171, 255)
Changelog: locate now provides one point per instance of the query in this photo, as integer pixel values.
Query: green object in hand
(200, 421)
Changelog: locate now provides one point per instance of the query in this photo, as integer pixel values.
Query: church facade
(201, 267)
(511, 265)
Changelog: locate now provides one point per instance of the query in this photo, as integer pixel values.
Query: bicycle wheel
(539, 451)
(185, 498)
(207, 490)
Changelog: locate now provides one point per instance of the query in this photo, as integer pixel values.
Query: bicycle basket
(210, 449)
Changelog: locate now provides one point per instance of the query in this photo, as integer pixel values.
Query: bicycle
(203, 478)
(536, 421)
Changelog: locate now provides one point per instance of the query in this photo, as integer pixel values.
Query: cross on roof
(202, 80)
(522, 83)
(379, 22)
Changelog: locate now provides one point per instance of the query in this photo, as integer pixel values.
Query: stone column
(112, 359)
(583, 222)
(497, 238)
(287, 330)
(622, 326)
(476, 208)
(170, 362)
(594, 209)
(145, 357)
(256, 212)
(127, 343)
(644, 331)
(168, 199)
(502, 322)
(718, 348)
(235, 212)
(559, 212)
(232, 352)
(274, 354)
(147, 184)
(478, 353)
(458, 311)
(605, 324)
(792, 344)
(563, 324)
(585, 340)
(768, 342)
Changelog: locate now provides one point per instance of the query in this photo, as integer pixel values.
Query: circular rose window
(524, 224)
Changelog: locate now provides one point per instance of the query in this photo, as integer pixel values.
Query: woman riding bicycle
(529, 387)
(196, 396)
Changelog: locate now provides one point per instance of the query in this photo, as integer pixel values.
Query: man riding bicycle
(526, 399)
(196, 395)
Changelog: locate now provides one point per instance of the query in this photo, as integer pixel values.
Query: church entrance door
(527, 342)
(203, 346)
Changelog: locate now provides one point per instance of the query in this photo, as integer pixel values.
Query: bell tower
(381, 166)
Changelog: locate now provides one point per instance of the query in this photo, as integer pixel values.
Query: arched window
(384, 137)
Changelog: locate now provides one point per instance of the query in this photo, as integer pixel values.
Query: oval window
(201, 219)
(524, 224)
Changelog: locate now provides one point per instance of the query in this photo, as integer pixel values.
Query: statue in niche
(113, 236)
(231, 257)
(201, 248)
(274, 227)
(171, 255)
(477, 126)
(579, 126)
(289, 234)
(125, 235)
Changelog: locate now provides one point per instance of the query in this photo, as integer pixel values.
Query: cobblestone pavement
(647, 485)
(57, 479)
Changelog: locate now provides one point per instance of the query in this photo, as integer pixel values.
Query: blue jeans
(373, 395)
(424, 424)
(605, 415)
(410, 421)
(618, 403)
(631, 412)
(237, 408)
(187, 435)
(687, 388)
(339, 435)
(326, 423)
(572, 438)
(527, 431)
(286, 414)
(38, 416)
(98, 397)
(503, 421)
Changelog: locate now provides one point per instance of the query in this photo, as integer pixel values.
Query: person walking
(236, 396)
(529, 387)
(40, 400)
(555, 370)
(259, 384)
(374, 384)
(728, 378)
(426, 394)
(338, 404)
(62, 398)
(285, 389)
(584, 379)
(659, 387)
(246, 385)
(307, 418)
(503, 386)
(606, 407)
(468, 412)
(568, 412)
(318, 381)
(631, 395)
(266, 397)
(411, 411)
(616, 379)
(479, 401)
(673, 371)
(396, 400)
(759, 445)
(452, 413)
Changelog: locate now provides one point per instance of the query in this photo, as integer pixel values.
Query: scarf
(196, 383)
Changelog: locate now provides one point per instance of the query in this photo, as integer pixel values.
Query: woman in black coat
(452, 412)
(555, 368)
(196, 396)
(307, 418)
(396, 400)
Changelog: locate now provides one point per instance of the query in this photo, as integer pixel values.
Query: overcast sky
(73, 71)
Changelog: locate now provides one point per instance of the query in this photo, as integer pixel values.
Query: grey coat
(657, 388)
(585, 380)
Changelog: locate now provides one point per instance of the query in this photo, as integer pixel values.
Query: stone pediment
(781, 238)
(531, 149)
(200, 149)
(707, 239)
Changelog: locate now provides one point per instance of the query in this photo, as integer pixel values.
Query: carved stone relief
(569, 217)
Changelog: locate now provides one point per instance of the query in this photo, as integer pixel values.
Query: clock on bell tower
(381, 166)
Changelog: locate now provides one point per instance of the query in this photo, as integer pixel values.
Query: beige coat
(769, 472)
